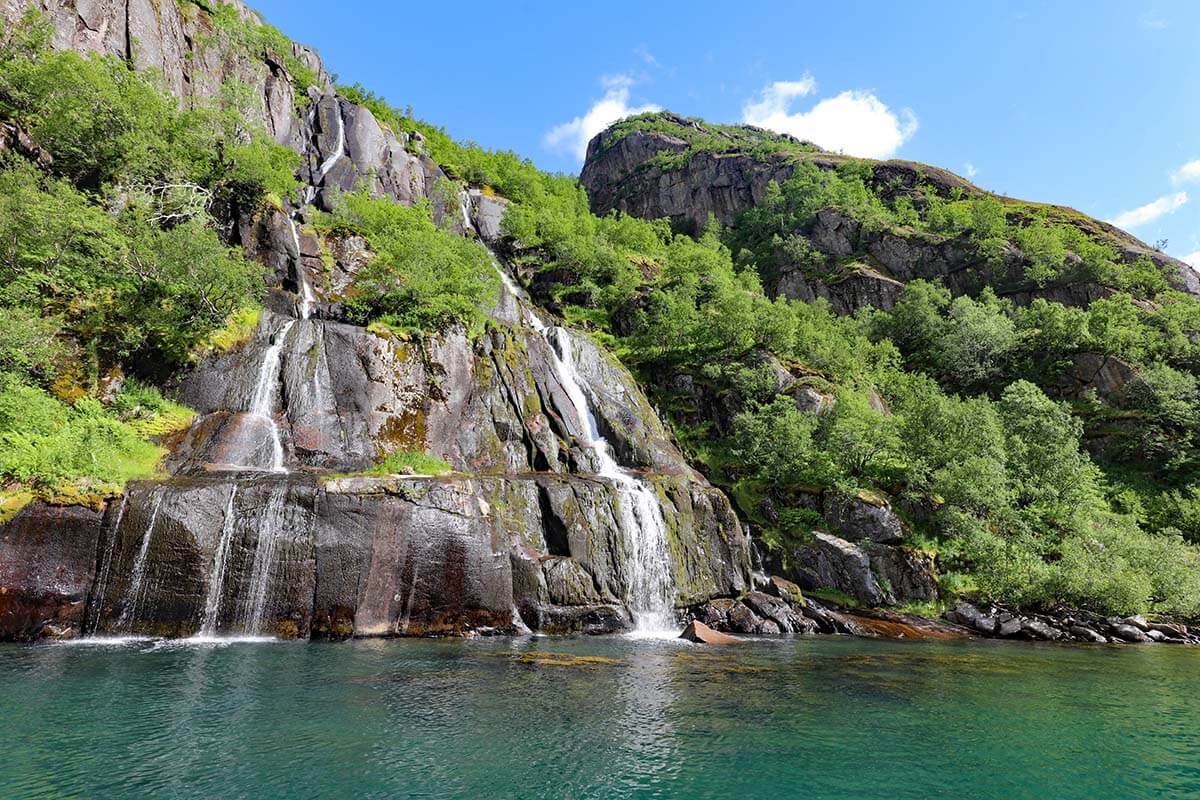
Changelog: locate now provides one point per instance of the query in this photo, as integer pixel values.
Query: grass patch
(409, 462)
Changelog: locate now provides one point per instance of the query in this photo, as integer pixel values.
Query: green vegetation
(257, 38)
(420, 278)
(937, 404)
(71, 451)
(700, 136)
(112, 258)
(111, 261)
(410, 462)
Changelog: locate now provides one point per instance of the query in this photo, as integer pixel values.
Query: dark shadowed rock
(907, 574)
(47, 566)
(863, 518)
(781, 613)
(1129, 633)
(1087, 634)
(832, 563)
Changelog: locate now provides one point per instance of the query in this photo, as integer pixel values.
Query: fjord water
(605, 718)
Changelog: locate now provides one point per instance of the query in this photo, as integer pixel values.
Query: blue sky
(1093, 104)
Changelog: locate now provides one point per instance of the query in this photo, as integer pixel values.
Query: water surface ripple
(603, 718)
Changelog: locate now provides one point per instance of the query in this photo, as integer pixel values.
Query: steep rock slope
(657, 172)
(540, 525)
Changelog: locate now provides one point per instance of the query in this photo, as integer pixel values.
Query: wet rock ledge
(297, 557)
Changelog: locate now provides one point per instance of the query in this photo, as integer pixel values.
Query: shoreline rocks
(1070, 625)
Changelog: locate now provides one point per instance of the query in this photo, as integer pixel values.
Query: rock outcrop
(47, 566)
(625, 171)
(183, 44)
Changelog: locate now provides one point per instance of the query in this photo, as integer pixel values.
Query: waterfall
(138, 574)
(336, 155)
(647, 556)
(264, 558)
(651, 589)
(262, 403)
(307, 298)
(464, 207)
(216, 576)
(93, 618)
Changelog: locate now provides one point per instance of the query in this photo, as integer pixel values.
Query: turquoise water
(812, 718)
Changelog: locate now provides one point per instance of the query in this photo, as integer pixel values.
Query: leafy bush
(51, 446)
(420, 278)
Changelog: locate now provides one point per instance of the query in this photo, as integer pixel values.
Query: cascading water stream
(105, 569)
(336, 154)
(137, 575)
(264, 558)
(307, 298)
(216, 576)
(262, 404)
(651, 588)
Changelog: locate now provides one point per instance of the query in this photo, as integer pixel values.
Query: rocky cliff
(655, 174)
(569, 506)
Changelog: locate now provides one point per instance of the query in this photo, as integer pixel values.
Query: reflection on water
(609, 717)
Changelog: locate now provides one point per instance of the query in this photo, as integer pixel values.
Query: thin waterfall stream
(138, 574)
(651, 587)
(216, 576)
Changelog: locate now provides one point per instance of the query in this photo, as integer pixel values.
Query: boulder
(1037, 629)
(700, 633)
(969, 616)
(906, 574)
(1087, 634)
(828, 562)
(743, 620)
(779, 612)
(785, 589)
(1129, 633)
(1170, 630)
(863, 518)
(1009, 628)
(47, 567)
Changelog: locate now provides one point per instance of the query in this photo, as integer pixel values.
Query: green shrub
(404, 462)
(51, 446)
(420, 278)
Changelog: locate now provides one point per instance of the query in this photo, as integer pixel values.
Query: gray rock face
(832, 563)
(623, 175)
(1108, 376)
(859, 519)
(526, 534)
(179, 42)
(47, 564)
(382, 556)
(908, 576)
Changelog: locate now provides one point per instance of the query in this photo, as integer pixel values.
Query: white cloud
(642, 52)
(1192, 259)
(1188, 173)
(854, 122)
(573, 137)
(970, 170)
(1151, 21)
(1167, 204)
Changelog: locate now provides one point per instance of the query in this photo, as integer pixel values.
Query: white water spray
(105, 568)
(138, 574)
(340, 145)
(263, 402)
(307, 298)
(264, 558)
(216, 576)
